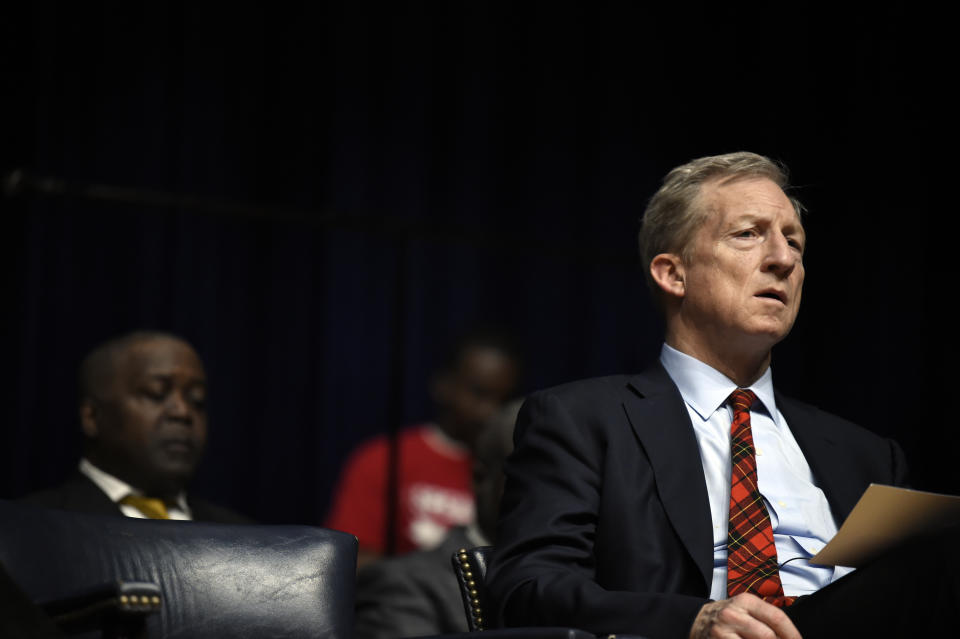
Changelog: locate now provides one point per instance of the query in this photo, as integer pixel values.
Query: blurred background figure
(417, 594)
(426, 469)
(142, 404)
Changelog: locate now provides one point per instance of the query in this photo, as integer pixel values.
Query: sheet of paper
(884, 517)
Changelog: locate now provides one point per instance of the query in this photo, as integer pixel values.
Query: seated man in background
(417, 594)
(431, 489)
(144, 421)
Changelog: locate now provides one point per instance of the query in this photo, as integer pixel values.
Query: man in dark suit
(617, 515)
(143, 415)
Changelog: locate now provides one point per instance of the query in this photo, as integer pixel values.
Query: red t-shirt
(434, 488)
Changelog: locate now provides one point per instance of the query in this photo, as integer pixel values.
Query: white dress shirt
(799, 512)
(116, 489)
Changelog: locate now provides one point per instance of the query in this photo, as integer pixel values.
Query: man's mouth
(773, 295)
(178, 446)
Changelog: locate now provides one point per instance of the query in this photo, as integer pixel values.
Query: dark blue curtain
(319, 196)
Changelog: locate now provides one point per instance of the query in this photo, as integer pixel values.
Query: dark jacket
(79, 493)
(605, 522)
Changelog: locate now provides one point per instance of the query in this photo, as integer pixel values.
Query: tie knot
(152, 507)
(742, 399)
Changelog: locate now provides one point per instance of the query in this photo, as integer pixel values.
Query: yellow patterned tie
(149, 506)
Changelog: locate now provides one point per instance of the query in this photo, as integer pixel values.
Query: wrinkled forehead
(746, 195)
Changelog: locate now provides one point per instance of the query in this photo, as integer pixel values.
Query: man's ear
(89, 418)
(667, 271)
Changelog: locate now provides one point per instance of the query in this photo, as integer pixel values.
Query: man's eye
(154, 394)
(197, 397)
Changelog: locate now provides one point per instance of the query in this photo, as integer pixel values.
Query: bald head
(99, 369)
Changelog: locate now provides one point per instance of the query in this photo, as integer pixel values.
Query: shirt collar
(705, 389)
(116, 489)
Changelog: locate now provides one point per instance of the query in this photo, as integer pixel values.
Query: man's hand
(745, 616)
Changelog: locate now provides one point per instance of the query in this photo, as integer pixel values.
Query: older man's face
(152, 423)
(744, 276)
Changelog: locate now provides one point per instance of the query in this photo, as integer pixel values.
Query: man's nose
(781, 258)
(178, 407)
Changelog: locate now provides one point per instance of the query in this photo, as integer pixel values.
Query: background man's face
(474, 391)
(745, 274)
(151, 426)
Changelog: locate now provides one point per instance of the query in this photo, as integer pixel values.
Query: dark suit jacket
(605, 522)
(412, 595)
(79, 493)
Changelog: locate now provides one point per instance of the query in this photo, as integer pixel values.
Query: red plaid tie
(751, 554)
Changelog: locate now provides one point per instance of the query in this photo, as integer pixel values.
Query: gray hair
(675, 212)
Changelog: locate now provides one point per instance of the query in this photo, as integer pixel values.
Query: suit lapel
(825, 457)
(662, 424)
(660, 421)
(82, 493)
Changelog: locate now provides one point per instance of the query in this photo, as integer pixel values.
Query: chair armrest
(118, 608)
(470, 568)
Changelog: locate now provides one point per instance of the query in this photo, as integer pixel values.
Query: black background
(412, 168)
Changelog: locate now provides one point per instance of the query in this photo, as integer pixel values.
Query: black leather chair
(114, 610)
(109, 611)
(216, 580)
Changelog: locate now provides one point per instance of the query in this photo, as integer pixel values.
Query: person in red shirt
(433, 463)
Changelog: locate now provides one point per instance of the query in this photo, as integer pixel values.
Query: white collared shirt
(116, 489)
(799, 512)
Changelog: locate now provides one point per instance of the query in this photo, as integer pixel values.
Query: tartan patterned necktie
(149, 506)
(751, 553)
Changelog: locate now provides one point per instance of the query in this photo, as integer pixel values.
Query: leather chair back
(218, 580)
